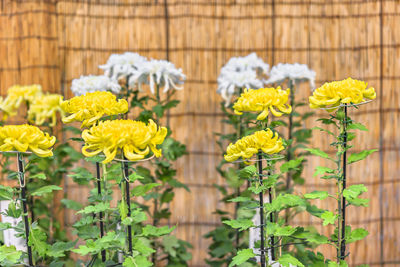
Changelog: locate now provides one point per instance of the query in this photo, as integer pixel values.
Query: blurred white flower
(295, 72)
(92, 83)
(249, 62)
(160, 72)
(122, 65)
(231, 81)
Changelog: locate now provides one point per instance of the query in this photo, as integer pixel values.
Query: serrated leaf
(328, 218)
(285, 230)
(241, 224)
(45, 190)
(287, 260)
(135, 176)
(141, 190)
(9, 254)
(150, 230)
(357, 126)
(248, 172)
(356, 235)
(317, 195)
(37, 239)
(6, 193)
(322, 170)
(359, 202)
(100, 207)
(284, 201)
(318, 152)
(142, 245)
(360, 156)
(291, 164)
(354, 191)
(242, 256)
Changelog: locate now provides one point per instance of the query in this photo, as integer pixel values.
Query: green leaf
(356, 235)
(360, 156)
(135, 176)
(291, 165)
(150, 230)
(284, 201)
(242, 256)
(58, 249)
(137, 261)
(357, 126)
(248, 172)
(240, 199)
(322, 170)
(318, 152)
(141, 190)
(316, 238)
(241, 224)
(170, 244)
(317, 195)
(323, 130)
(354, 191)
(143, 246)
(285, 230)
(5, 226)
(100, 207)
(158, 110)
(328, 217)
(287, 260)
(9, 255)
(37, 239)
(41, 176)
(6, 193)
(12, 210)
(358, 202)
(45, 189)
(71, 204)
(335, 264)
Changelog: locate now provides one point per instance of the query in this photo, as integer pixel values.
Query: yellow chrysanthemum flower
(89, 108)
(331, 95)
(265, 141)
(45, 107)
(262, 100)
(16, 95)
(26, 138)
(134, 138)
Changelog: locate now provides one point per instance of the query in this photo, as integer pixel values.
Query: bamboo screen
(53, 42)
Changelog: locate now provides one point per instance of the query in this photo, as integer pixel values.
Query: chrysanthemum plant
(237, 74)
(163, 79)
(114, 235)
(42, 174)
(338, 98)
(297, 134)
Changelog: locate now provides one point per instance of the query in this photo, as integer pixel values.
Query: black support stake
(103, 252)
(24, 205)
(128, 202)
(261, 198)
(343, 241)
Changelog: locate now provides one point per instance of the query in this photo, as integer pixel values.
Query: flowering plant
(16, 95)
(159, 73)
(93, 83)
(239, 73)
(262, 100)
(45, 107)
(296, 73)
(89, 108)
(339, 96)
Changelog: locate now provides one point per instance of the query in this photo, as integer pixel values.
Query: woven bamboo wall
(52, 42)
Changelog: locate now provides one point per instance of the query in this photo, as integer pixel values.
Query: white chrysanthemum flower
(249, 62)
(122, 65)
(92, 83)
(160, 72)
(295, 72)
(231, 81)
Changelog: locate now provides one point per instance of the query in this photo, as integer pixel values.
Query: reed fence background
(54, 41)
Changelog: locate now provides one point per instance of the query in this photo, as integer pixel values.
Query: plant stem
(128, 203)
(261, 202)
(103, 252)
(24, 205)
(289, 154)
